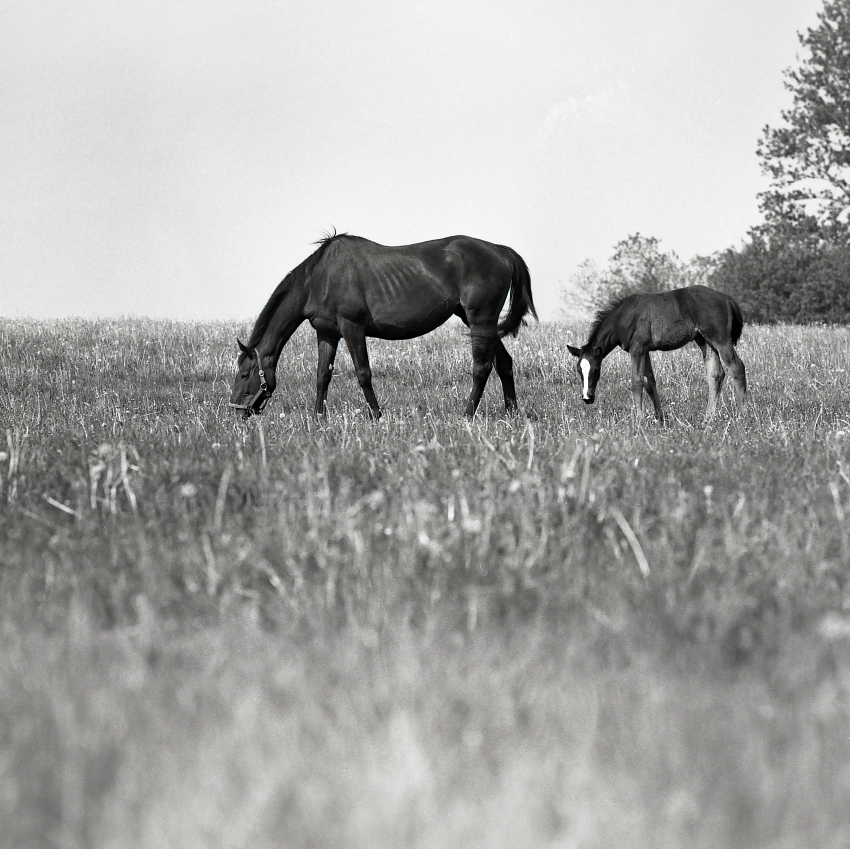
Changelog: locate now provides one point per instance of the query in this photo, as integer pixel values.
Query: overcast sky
(176, 159)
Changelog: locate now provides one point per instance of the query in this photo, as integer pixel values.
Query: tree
(787, 280)
(808, 159)
(580, 296)
(795, 267)
(636, 265)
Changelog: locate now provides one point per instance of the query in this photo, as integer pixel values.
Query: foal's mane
(604, 314)
(298, 277)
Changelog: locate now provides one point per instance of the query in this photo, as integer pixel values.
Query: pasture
(544, 630)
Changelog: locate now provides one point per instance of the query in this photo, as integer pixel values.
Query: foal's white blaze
(584, 365)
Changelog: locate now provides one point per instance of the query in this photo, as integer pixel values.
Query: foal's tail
(737, 322)
(521, 301)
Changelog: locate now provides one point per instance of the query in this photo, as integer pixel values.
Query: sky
(177, 159)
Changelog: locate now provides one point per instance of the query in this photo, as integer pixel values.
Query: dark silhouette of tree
(786, 280)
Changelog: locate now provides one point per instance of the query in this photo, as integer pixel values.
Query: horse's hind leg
(483, 341)
(355, 338)
(714, 375)
(651, 388)
(735, 368)
(483, 353)
(639, 360)
(505, 370)
(327, 354)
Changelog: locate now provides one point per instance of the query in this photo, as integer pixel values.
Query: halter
(258, 403)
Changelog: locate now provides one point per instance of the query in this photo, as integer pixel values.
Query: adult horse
(351, 288)
(664, 321)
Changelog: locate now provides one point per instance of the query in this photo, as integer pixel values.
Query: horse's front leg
(355, 338)
(327, 354)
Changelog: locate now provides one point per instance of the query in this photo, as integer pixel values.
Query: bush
(787, 280)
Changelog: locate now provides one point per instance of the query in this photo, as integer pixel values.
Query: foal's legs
(651, 389)
(327, 354)
(733, 365)
(639, 361)
(355, 338)
(714, 374)
(505, 370)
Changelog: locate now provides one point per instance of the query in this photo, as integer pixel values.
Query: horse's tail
(737, 322)
(521, 301)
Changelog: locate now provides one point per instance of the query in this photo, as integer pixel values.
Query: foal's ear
(243, 348)
(576, 352)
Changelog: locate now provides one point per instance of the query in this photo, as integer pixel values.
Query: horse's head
(589, 367)
(253, 386)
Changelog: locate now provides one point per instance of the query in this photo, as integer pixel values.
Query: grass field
(542, 631)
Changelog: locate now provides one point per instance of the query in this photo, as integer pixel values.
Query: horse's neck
(607, 336)
(287, 318)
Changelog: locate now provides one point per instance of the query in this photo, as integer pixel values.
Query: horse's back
(432, 248)
(671, 322)
(450, 258)
(404, 291)
(717, 316)
(664, 321)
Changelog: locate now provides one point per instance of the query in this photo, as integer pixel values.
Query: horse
(664, 321)
(351, 288)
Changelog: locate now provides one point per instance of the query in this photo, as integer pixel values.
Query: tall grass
(552, 629)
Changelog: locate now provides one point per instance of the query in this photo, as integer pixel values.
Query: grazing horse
(662, 322)
(351, 288)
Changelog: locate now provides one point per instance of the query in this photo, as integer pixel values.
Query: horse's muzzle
(588, 400)
(255, 406)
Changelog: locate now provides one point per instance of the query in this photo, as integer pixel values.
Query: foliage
(421, 631)
(795, 267)
(637, 265)
(585, 291)
(786, 280)
(808, 159)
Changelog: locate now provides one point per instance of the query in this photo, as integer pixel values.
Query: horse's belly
(407, 319)
(674, 334)
(401, 326)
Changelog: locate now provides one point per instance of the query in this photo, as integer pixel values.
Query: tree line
(795, 265)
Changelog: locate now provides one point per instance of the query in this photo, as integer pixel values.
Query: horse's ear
(243, 348)
(576, 352)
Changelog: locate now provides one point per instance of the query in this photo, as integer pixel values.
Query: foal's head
(589, 366)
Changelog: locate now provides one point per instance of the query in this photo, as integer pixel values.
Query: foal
(662, 322)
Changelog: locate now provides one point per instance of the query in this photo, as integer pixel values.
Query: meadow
(544, 630)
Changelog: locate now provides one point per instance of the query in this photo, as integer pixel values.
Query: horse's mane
(605, 313)
(299, 276)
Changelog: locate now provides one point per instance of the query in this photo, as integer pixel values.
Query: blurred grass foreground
(550, 630)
